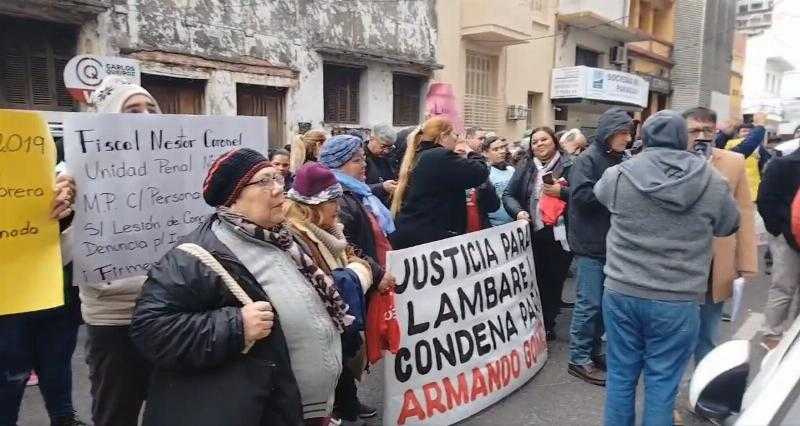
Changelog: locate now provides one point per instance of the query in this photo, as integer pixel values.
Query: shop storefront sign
(599, 84)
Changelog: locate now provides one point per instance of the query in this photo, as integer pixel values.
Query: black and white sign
(139, 180)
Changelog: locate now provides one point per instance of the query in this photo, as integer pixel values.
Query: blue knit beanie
(338, 150)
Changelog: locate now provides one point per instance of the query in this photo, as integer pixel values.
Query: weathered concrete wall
(285, 33)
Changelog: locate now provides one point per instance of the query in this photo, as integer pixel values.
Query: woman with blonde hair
(429, 203)
(305, 148)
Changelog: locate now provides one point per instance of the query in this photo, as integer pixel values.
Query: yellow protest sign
(30, 255)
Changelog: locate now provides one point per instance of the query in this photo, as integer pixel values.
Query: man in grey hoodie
(666, 206)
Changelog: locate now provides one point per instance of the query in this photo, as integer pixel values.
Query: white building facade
(590, 74)
(303, 64)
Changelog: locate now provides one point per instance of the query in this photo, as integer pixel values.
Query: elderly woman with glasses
(188, 323)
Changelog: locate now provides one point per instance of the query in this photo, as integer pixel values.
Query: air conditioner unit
(516, 112)
(619, 55)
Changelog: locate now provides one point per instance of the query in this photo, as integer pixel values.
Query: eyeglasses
(701, 131)
(268, 181)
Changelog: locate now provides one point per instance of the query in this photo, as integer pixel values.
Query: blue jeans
(710, 318)
(587, 315)
(40, 341)
(654, 336)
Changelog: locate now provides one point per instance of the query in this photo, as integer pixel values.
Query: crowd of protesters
(658, 231)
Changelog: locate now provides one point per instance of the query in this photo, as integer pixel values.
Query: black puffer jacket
(775, 195)
(589, 220)
(488, 202)
(434, 207)
(518, 192)
(189, 325)
(358, 232)
(379, 170)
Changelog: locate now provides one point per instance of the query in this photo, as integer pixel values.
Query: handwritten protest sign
(140, 181)
(30, 258)
(471, 323)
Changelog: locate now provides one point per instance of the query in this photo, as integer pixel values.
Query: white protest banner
(139, 180)
(471, 325)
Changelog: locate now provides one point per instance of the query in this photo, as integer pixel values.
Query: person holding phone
(543, 174)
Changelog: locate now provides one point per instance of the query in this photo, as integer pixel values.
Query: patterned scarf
(281, 237)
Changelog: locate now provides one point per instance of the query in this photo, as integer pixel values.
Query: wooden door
(176, 95)
(264, 101)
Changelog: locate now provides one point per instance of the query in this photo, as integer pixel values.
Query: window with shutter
(176, 95)
(340, 93)
(32, 59)
(406, 97)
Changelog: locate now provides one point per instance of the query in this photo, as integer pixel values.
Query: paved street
(553, 397)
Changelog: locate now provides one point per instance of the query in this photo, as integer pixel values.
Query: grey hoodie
(666, 204)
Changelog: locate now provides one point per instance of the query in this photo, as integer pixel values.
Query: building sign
(599, 84)
(140, 178)
(84, 73)
(471, 325)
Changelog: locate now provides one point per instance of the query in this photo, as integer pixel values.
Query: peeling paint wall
(285, 33)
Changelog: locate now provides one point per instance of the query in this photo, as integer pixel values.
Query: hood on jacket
(673, 177)
(612, 121)
(665, 129)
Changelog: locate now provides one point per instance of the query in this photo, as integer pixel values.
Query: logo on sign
(84, 73)
(88, 71)
(597, 79)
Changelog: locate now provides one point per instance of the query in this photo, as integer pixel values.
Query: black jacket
(518, 193)
(379, 169)
(189, 325)
(358, 232)
(488, 202)
(434, 207)
(779, 185)
(589, 220)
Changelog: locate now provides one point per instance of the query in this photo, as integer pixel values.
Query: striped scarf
(281, 237)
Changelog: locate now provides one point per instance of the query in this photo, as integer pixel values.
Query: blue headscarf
(338, 150)
(370, 201)
(335, 153)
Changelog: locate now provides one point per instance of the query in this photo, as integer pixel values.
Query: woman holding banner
(219, 363)
(538, 192)
(429, 203)
(312, 213)
(367, 222)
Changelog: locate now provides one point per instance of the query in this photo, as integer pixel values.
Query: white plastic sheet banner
(471, 325)
(139, 180)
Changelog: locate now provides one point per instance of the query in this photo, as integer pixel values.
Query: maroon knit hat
(229, 174)
(314, 184)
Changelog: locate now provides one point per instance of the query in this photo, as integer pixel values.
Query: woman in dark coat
(521, 200)
(429, 203)
(217, 362)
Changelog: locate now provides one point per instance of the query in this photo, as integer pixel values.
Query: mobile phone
(548, 178)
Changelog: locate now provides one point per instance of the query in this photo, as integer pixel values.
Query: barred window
(480, 103)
